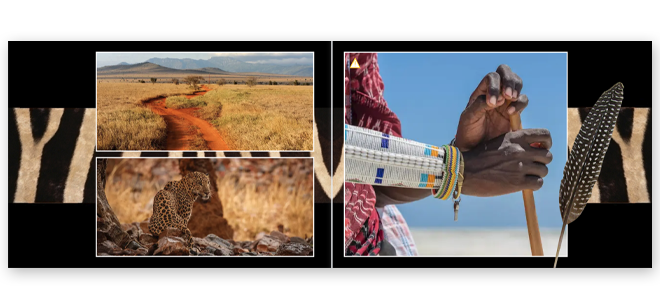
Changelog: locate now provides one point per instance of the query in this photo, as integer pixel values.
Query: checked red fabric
(366, 107)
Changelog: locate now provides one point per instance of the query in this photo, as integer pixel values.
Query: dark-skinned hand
(503, 165)
(487, 115)
(507, 164)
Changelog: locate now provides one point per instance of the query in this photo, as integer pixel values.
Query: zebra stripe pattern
(625, 176)
(52, 156)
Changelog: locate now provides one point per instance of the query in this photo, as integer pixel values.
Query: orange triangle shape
(354, 64)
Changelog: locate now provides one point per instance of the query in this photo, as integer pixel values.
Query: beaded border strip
(452, 163)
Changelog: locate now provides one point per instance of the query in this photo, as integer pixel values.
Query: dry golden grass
(130, 199)
(124, 123)
(183, 102)
(261, 117)
(247, 208)
(250, 212)
(257, 118)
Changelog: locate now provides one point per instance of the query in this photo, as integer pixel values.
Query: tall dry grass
(249, 207)
(261, 117)
(130, 187)
(124, 123)
(250, 211)
(183, 102)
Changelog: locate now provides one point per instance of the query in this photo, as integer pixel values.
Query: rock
(133, 229)
(239, 250)
(295, 239)
(223, 252)
(134, 233)
(194, 251)
(141, 251)
(100, 223)
(267, 244)
(147, 239)
(133, 245)
(106, 247)
(152, 249)
(294, 249)
(102, 254)
(205, 254)
(214, 238)
(144, 226)
(310, 240)
(246, 244)
(266, 254)
(115, 234)
(171, 246)
(279, 236)
(215, 245)
(249, 254)
(203, 242)
(100, 237)
(171, 232)
(260, 235)
(117, 251)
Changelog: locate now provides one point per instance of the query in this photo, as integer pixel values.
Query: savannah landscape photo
(205, 101)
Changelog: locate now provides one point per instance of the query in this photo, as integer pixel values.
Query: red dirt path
(178, 125)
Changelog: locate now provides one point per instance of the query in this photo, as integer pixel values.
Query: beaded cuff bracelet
(453, 160)
(373, 157)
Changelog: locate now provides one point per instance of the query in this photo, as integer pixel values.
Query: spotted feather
(586, 158)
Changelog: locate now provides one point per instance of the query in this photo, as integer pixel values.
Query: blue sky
(276, 58)
(431, 90)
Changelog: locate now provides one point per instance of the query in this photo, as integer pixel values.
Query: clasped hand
(498, 161)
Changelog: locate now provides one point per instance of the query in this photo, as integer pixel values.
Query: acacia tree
(193, 80)
(251, 81)
(153, 80)
(221, 82)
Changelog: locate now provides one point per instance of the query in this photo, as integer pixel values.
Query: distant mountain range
(232, 65)
(151, 68)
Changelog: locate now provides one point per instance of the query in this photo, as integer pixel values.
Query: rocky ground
(171, 242)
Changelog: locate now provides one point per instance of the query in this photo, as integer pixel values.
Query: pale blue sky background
(428, 92)
(278, 58)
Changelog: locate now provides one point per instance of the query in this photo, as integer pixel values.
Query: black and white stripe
(52, 156)
(625, 176)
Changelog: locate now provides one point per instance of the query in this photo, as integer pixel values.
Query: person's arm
(503, 165)
(386, 195)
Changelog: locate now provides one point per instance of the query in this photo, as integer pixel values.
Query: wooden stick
(530, 207)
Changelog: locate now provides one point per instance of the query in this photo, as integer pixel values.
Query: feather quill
(586, 158)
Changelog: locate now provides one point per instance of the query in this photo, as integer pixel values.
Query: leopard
(173, 204)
